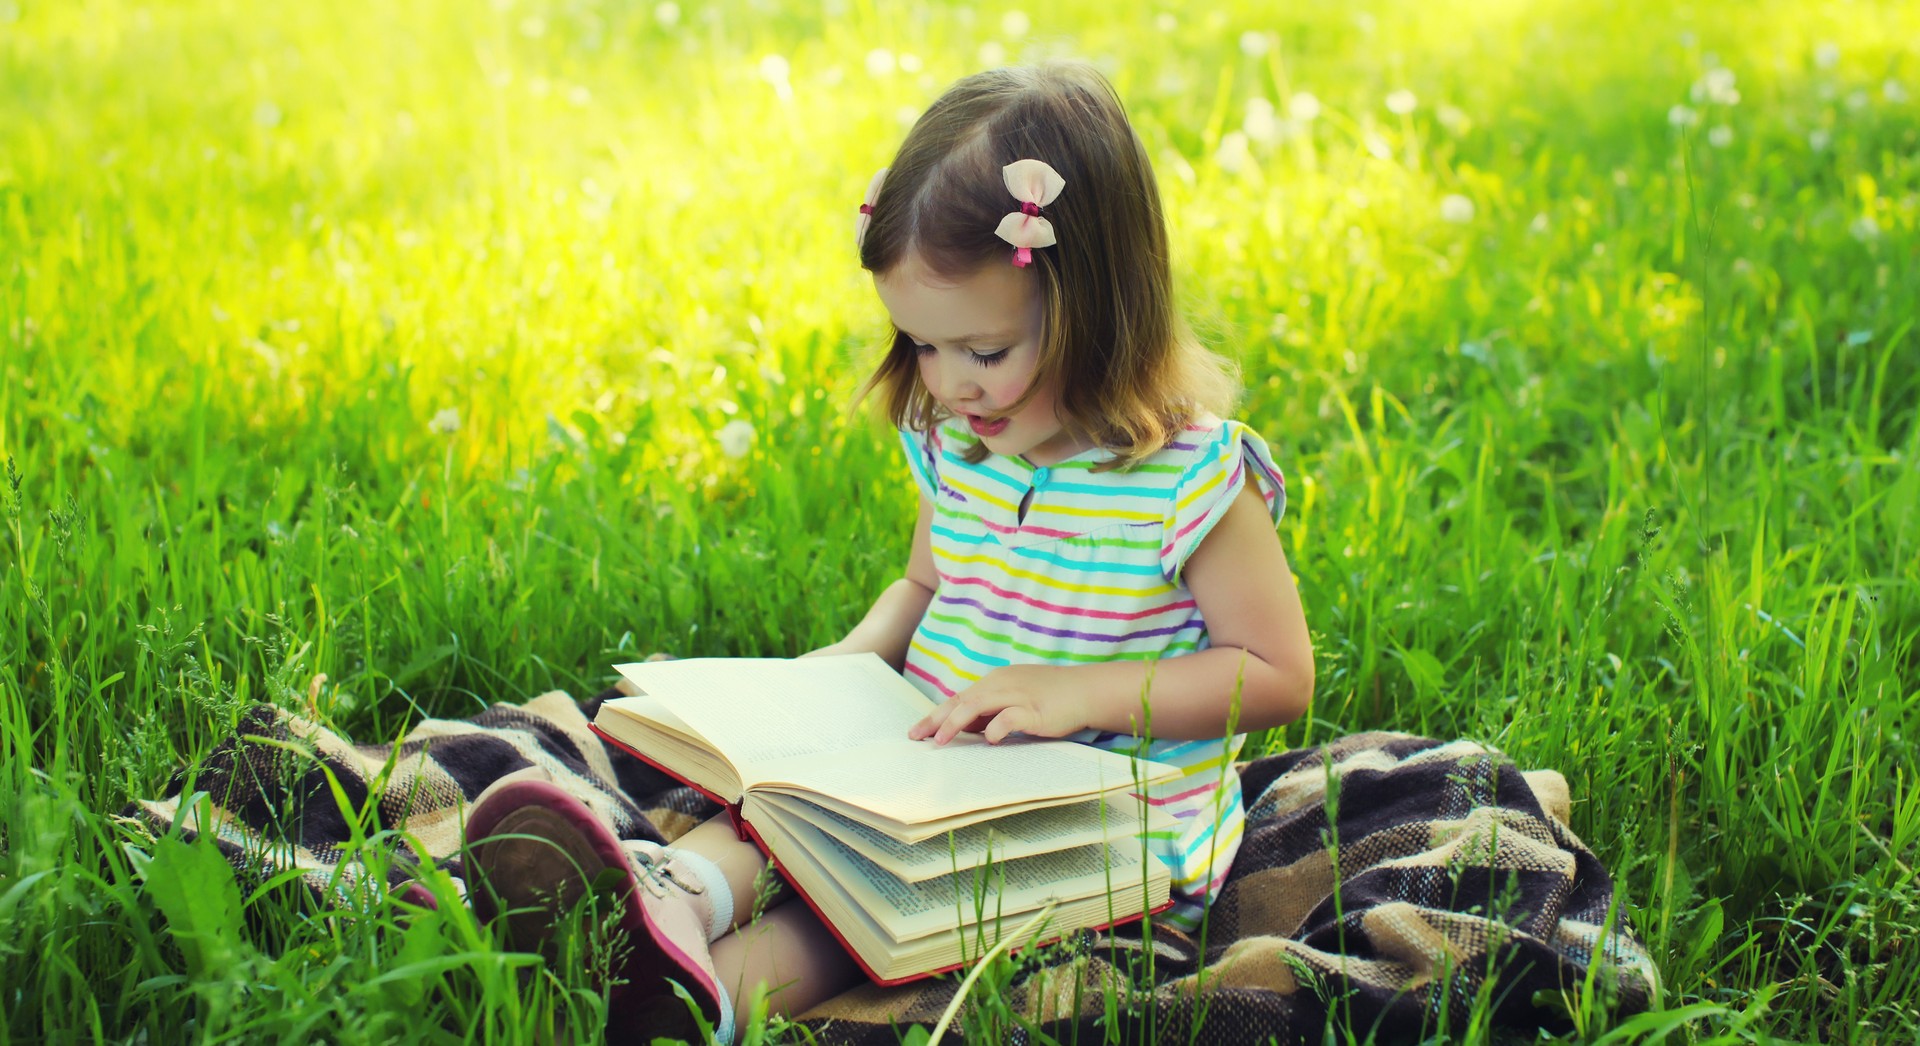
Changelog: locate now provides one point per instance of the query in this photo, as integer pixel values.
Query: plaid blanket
(1385, 883)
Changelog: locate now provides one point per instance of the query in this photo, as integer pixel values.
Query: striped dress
(1092, 573)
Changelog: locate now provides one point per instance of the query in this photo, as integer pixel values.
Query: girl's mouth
(983, 427)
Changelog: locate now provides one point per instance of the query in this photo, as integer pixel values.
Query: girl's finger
(1008, 721)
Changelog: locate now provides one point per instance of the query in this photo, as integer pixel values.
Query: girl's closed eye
(984, 359)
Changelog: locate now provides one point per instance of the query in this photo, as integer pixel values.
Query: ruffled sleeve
(923, 456)
(1219, 469)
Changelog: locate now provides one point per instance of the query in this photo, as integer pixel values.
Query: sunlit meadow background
(454, 351)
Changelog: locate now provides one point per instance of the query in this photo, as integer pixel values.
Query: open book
(918, 857)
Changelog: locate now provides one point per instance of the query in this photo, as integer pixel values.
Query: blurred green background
(455, 351)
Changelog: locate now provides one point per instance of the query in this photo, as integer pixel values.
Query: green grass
(1618, 474)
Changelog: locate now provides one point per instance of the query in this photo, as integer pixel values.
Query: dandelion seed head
(1255, 44)
(446, 421)
(1260, 124)
(1402, 102)
(1165, 22)
(993, 54)
(1818, 139)
(1682, 116)
(1233, 155)
(1303, 106)
(1894, 91)
(1456, 208)
(1865, 229)
(735, 438)
(1720, 136)
(777, 72)
(880, 62)
(1015, 24)
(1826, 54)
(667, 14)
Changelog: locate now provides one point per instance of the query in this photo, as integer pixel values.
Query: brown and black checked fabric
(1456, 875)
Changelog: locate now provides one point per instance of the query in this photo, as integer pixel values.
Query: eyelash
(984, 359)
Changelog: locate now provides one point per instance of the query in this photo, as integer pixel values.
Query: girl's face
(979, 344)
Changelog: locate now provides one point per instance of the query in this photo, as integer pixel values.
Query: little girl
(1094, 558)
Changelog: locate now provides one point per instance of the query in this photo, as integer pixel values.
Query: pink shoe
(535, 850)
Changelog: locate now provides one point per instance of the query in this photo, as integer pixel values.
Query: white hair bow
(1034, 184)
(866, 209)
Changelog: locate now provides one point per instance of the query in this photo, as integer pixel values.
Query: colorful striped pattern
(1093, 573)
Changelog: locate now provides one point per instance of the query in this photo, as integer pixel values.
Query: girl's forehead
(931, 306)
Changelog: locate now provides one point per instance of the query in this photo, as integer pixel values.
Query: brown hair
(1131, 371)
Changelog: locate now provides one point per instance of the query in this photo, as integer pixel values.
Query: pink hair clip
(1034, 184)
(866, 209)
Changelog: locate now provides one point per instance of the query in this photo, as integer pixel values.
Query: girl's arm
(889, 624)
(1240, 580)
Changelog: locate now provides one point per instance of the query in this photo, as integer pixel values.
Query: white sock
(719, 894)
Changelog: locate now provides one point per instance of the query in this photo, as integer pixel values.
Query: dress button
(1040, 476)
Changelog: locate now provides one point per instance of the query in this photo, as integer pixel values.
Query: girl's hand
(1025, 698)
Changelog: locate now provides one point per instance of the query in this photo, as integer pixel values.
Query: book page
(646, 706)
(910, 910)
(913, 782)
(756, 710)
(1003, 839)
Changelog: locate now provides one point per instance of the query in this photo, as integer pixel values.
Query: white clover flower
(1015, 24)
(1402, 102)
(1720, 137)
(1255, 44)
(667, 14)
(993, 54)
(1682, 116)
(1818, 139)
(1456, 208)
(1260, 124)
(880, 62)
(445, 421)
(1233, 156)
(1826, 54)
(1894, 91)
(1865, 229)
(736, 438)
(1303, 106)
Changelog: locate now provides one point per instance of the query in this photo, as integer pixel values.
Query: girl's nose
(952, 382)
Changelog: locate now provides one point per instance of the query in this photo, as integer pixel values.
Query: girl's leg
(792, 953)
(787, 948)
